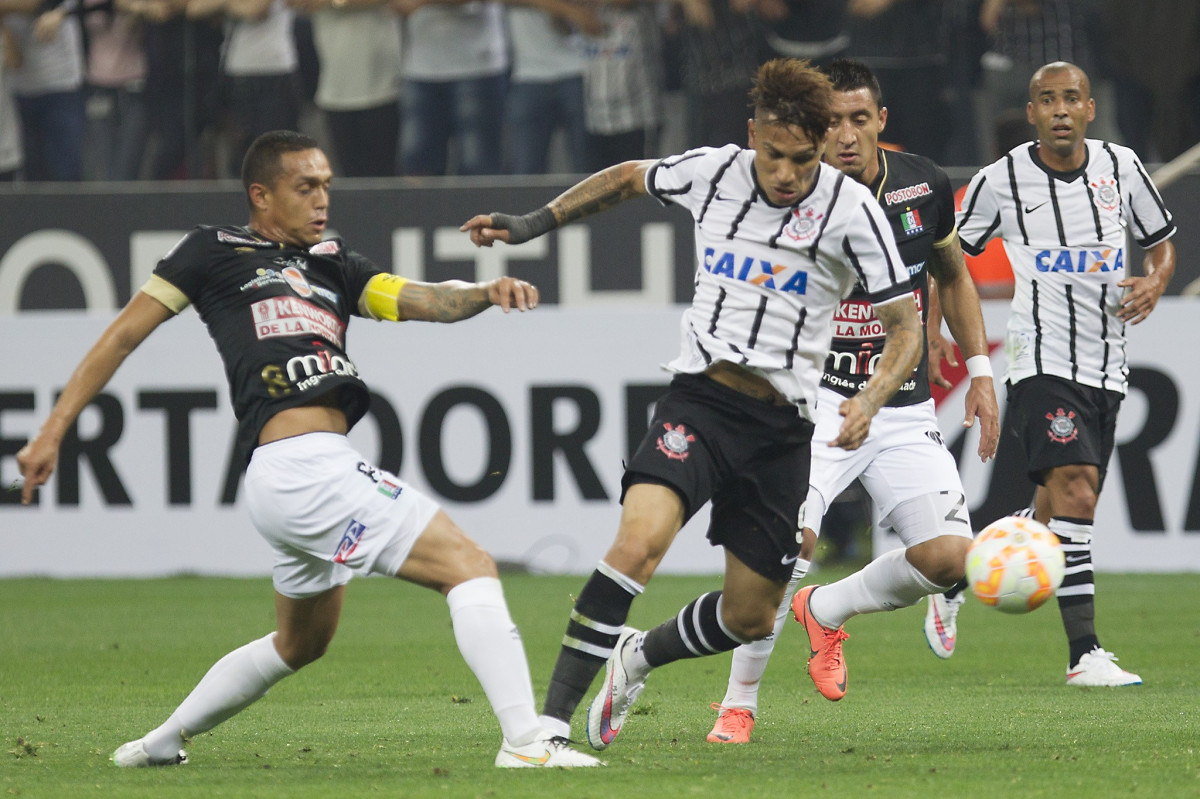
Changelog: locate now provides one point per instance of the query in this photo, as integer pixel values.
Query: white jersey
(769, 277)
(1065, 234)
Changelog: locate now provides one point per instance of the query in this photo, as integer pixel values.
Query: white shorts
(903, 458)
(328, 513)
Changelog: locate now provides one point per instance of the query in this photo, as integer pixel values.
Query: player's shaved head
(791, 92)
(1058, 68)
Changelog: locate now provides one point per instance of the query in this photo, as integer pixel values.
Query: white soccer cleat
(941, 623)
(134, 755)
(548, 751)
(608, 710)
(1099, 669)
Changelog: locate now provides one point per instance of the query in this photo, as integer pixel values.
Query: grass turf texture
(393, 711)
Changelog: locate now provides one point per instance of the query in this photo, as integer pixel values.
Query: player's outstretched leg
(624, 680)
(941, 620)
(826, 665)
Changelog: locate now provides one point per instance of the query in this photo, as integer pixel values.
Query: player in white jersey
(911, 477)
(1064, 206)
(780, 238)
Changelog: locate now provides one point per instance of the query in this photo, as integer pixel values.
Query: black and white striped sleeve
(979, 219)
(673, 180)
(1149, 219)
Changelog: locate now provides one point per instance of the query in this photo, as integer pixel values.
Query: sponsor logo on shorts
(675, 442)
(289, 316)
(389, 488)
(935, 436)
(1062, 426)
(383, 484)
(350, 538)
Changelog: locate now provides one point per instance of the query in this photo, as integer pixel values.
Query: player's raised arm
(124, 334)
(901, 354)
(593, 194)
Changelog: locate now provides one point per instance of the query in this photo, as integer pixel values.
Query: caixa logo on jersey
(756, 271)
(1107, 260)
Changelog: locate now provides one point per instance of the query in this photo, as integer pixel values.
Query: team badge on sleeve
(675, 442)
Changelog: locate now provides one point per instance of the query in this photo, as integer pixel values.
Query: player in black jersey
(909, 474)
(276, 299)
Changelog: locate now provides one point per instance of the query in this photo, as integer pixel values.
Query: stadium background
(518, 425)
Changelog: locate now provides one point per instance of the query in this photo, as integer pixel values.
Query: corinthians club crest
(674, 443)
(1062, 426)
(803, 224)
(1106, 194)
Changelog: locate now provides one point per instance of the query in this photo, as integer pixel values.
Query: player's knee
(941, 560)
(299, 651)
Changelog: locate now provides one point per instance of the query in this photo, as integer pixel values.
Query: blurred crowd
(174, 89)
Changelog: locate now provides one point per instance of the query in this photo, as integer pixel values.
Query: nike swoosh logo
(1029, 210)
(787, 560)
(841, 686)
(722, 197)
(538, 761)
(607, 733)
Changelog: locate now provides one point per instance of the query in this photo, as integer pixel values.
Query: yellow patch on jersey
(165, 292)
(380, 299)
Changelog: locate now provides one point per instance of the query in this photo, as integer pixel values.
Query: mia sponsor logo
(349, 543)
(1108, 260)
(308, 371)
(675, 442)
(756, 271)
(289, 316)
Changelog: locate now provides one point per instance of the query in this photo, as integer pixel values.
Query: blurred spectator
(546, 92)
(1023, 36)
(261, 67)
(623, 85)
(1153, 55)
(117, 127)
(358, 88)
(455, 78)
(48, 87)
(11, 156)
(812, 29)
(721, 49)
(901, 41)
(183, 70)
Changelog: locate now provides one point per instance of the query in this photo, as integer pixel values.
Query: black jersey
(919, 204)
(278, 315)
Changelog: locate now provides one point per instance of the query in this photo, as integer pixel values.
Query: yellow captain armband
(165, 292)
(380, 299)
(948, 240)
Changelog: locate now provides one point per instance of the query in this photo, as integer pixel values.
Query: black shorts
(751, 458)
(1061, 423)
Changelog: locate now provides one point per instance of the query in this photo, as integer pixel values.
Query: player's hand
(482, 233)
(36, 460)
(856, 424)
(981, 404)
(1140, 299)
(508, 292)
(939, 349)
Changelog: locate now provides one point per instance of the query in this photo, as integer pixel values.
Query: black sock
(694, 633)
(956, 589)
(595, 624)
(1077, 594)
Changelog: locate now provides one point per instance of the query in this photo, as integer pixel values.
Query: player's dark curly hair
(848, 75)
(263, 161)
(791, 91)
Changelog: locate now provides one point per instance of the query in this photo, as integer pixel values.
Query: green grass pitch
(393, 711)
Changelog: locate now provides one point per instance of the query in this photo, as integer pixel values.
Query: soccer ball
(1015, 564)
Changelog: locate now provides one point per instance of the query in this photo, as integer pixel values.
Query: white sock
(886, 583)
(491, 645)
(750, 660)
(234, 682)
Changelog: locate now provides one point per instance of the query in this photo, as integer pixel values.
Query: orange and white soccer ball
(1015, 564)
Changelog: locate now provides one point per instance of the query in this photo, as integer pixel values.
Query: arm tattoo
(592, 195)
(901, 353)
(449, 301)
